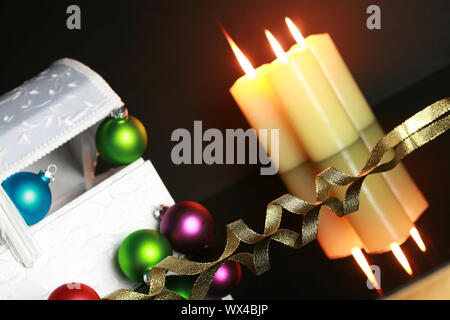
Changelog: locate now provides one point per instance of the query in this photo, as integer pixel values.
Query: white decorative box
(51, 119)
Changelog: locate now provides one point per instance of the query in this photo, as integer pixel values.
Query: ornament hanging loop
(50, 172)
(146, 277)
(52, 169)
(120, 113)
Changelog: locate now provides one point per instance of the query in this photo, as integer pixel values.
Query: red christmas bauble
(74, 291)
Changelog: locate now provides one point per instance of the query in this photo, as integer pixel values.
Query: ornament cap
(120, 113)
(158, 211)
(146, 277)
(48, 175)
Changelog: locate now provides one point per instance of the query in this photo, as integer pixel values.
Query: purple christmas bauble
(188, 226)
(225, 280)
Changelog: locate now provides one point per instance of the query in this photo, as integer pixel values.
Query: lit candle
(320, 125)
(262, 109)
(356, 106)
(330, 139)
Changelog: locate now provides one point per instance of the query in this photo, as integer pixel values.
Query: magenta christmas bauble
(188, 226)
(225, 280)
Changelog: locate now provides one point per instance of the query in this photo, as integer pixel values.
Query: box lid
(48, 110)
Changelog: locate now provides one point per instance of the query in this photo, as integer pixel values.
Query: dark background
(171, 65)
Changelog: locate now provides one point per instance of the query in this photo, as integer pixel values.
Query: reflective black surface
(307, 273)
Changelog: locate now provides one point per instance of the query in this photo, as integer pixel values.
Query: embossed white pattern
(79, 242)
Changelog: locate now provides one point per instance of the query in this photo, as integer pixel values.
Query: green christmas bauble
(121, 140)
(140, 251)
(180, 284)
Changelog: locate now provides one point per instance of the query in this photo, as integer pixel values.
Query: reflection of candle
(330, 139)
(336, 236)
(356, 106)
(262, 109)
(380, 217)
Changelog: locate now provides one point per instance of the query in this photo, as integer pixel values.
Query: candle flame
(279, 52)
(418, 239)
(398, 253)
(296, 33)
(242, 59)
(365, 267)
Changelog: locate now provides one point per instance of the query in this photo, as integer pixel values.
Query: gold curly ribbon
(418, 130)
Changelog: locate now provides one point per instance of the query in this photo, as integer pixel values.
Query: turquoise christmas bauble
(30, 193)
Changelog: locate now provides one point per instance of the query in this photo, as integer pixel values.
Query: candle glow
(364, 265)
(279, 52)
(304, 76)
(242, 59)
(296, 33)
(398, 253)
(418, 239)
